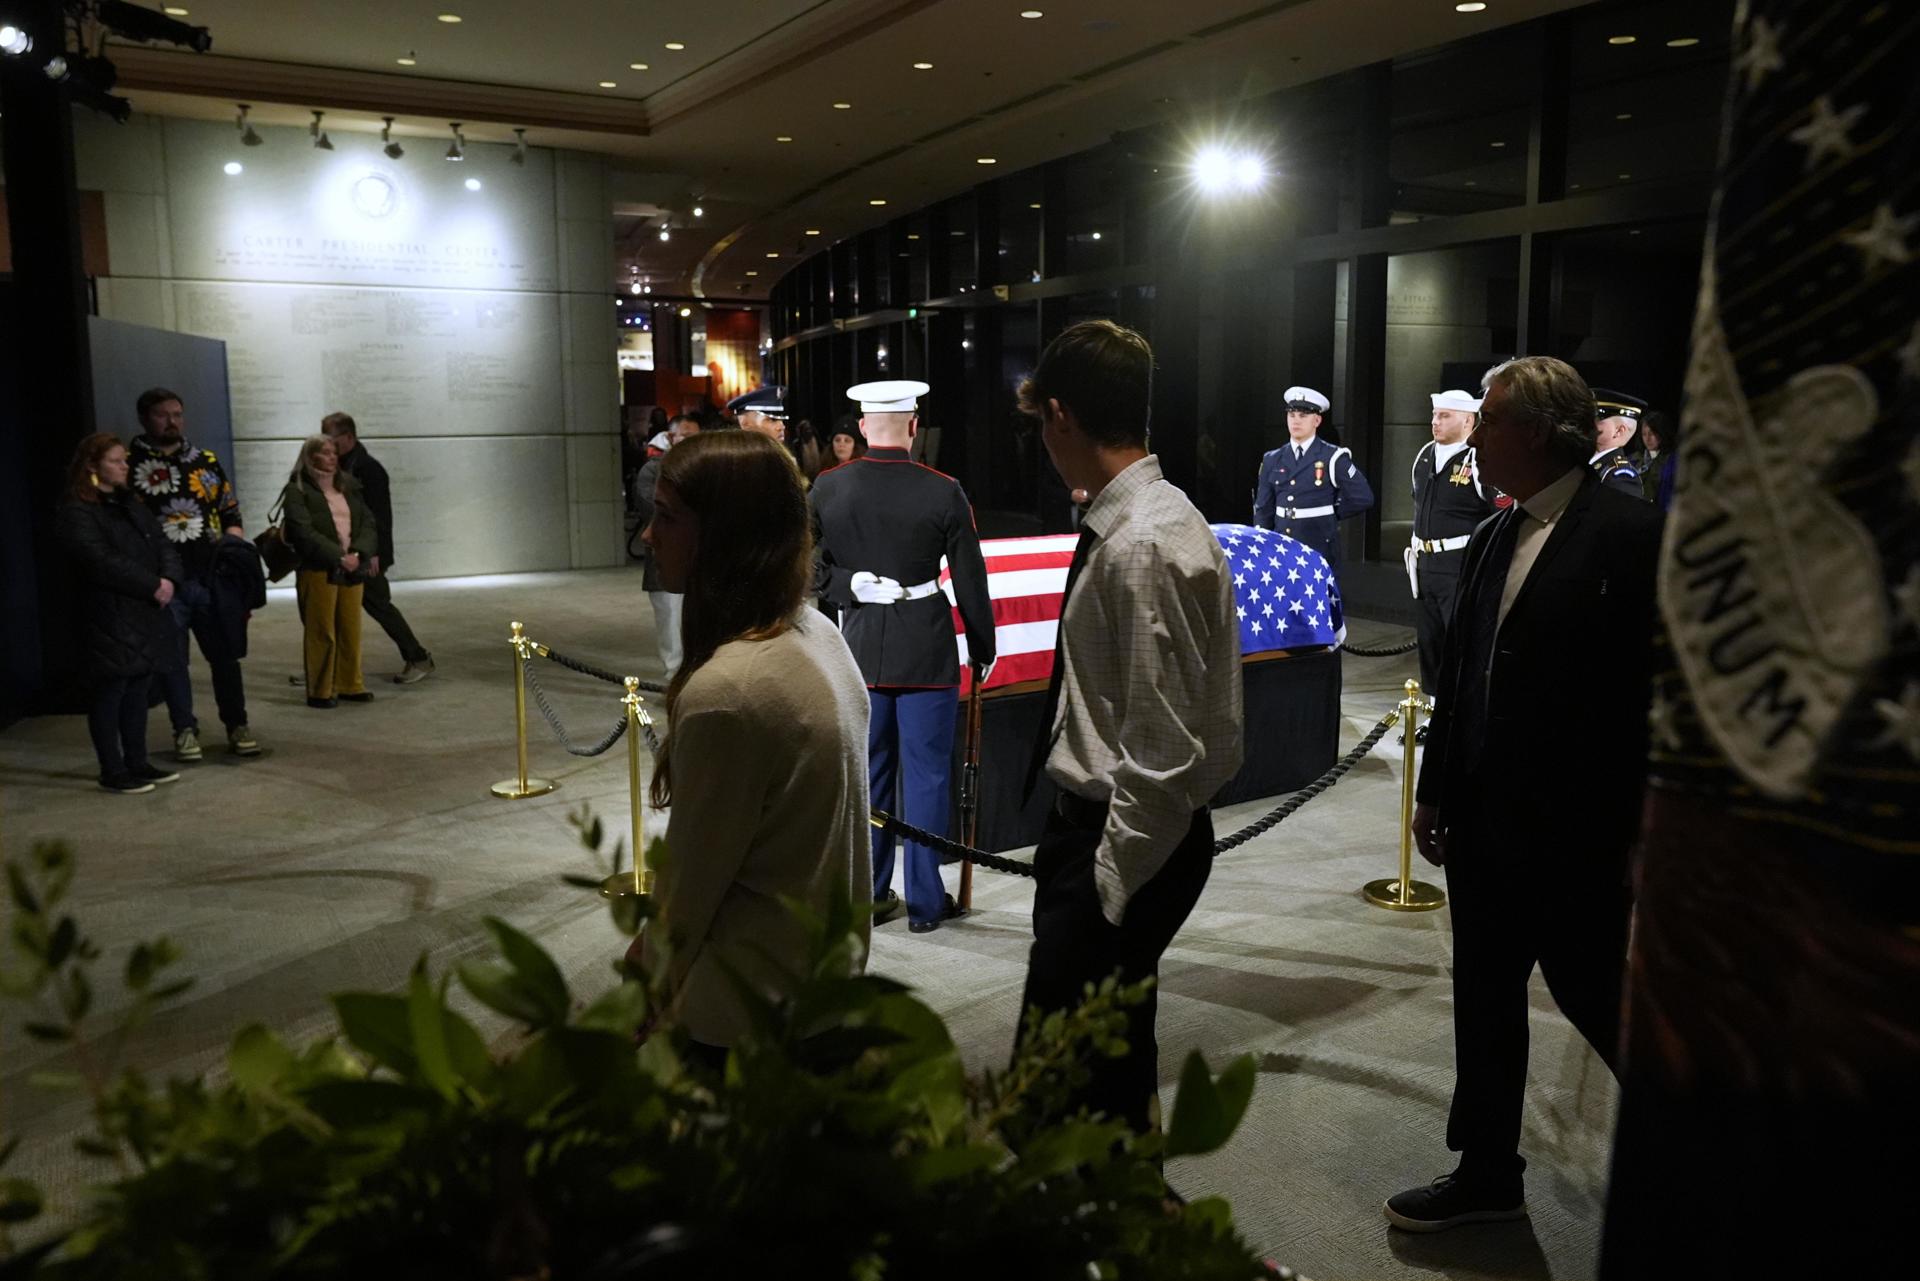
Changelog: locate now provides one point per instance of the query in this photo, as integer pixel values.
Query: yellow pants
(332, 617)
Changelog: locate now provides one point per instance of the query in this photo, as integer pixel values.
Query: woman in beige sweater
(765, 766)
(330, 525)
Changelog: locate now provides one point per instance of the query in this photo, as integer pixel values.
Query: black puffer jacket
(119, 556)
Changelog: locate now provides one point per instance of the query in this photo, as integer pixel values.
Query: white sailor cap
(1459, 400)
(1305, 399)
(889, 396)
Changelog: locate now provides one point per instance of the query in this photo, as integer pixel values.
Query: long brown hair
(308, 448)
(81, 485)
(754, 561)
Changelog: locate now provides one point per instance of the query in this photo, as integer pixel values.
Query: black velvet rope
(560, 731)
(954, 851)
(1390, 651)
(598, 673)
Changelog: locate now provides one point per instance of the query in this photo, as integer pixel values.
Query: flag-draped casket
(1287, 606)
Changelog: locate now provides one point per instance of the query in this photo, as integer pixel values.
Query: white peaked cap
(1307, 394)
(1459, 400)
(889, 396)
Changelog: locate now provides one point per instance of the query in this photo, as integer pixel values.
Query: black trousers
(1439, 587)
(378, 602)
(117, 722)
(1512, 910)
(1073, 945)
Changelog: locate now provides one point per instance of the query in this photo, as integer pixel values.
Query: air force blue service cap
(1617, 404)
(1306, 400)
(769, 400)
(889, 396)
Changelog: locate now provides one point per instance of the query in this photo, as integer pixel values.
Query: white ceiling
(702, 123)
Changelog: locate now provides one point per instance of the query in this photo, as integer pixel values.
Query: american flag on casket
(1285, 597)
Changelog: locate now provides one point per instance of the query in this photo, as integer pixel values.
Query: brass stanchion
(1407, 894)
(520, 787)
(638, 880)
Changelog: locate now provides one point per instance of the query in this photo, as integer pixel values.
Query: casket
(1291, 627)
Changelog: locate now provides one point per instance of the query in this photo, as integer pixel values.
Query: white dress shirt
(1537, 517)
(1150, 714)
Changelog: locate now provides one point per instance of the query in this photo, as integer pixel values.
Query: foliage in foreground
(845, 1140)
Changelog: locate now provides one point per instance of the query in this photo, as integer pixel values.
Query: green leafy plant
(843, 1139)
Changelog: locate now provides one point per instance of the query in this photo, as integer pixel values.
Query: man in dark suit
(378, 599)
(1530, 792)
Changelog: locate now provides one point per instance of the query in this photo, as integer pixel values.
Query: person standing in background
(126, 573)
(1309, 485)
(1619, 419)
(1660, 433)
(666, 604)
(187, 490)
(329, 524)
(377, 591)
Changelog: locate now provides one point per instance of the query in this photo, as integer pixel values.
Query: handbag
(276, 553)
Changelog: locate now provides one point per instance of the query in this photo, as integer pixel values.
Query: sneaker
(153, 775)
(240, 741)
(125, 785)
(364, 696)
(1450, 1201)
(186, 744)
(414, 673)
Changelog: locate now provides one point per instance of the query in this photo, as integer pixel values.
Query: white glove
(985, 673)
(871, 589)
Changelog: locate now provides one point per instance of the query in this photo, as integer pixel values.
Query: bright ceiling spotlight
(248, 138)
(699, 212)
(320, 140)
(1249, 172)
(519, 156)
(393, 149)
(685, 312)
(666, 231)
(473, 184)
(232, 168)
(14, 41)
(457, 149)
(1213, 169)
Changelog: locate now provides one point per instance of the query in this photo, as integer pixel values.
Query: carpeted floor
(365, 836)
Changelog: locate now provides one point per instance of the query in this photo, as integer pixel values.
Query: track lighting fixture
(519, 156)
(248, 138)
(393, 149)
(666, 230)
(457, 149)
(320, 140)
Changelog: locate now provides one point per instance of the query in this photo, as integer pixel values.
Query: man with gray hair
(1530, 792)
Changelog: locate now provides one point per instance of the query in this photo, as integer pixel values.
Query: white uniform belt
(1431, 545)
(1303, 513)
(920, 591)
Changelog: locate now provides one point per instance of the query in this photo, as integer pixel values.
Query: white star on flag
(1319, 574)
(1266, 611)
(1293, 575)
(1253, 593)
(1761, 58)
(1909, 355)
(1885, 237)
(1274, 561)
(1308, 589)
(1246, 564)
(1240, 611)
(1239, 580)
(1826, 133)
(1266, 576)
(1297, 608)
(1902, 720)
(1256, 627)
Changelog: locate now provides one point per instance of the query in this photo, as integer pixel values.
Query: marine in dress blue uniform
(1618, 417)
(882, 524)
(1308, 486)
(1449, 500)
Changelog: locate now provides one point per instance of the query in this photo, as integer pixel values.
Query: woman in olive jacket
(331, 527)
(126, 572)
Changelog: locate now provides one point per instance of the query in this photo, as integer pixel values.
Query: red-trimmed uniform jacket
(887, 515)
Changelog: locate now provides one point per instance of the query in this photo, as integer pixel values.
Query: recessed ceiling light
(675, 45)
(232, 168)
(1096, 235)
(1626, 177)
(1621, 39)
(923, 66)
(985, 160)
(174, 11)
(1471, 183)
(686, 311)
(1624, 115)
(448, 17)
(813, 231)
(1681, 42)
(1473, 6)
(876, 202)
(1496, 144)
(636, 66)
(472, 184)
(913, 235)
(773, 253)
(1032, 13)
(753, 273)
(1034, 205)
(843, 106)
(608, 84)
(784, 138)
(405, 62)
(1634, 232)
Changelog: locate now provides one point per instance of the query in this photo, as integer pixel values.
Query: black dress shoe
(949, 910)
(323, 702)
(1420, 733)
(1450, 1201)
(364, 696)
(885, 909)
(923, 927)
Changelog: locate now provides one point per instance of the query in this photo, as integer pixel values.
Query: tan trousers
(332, 616)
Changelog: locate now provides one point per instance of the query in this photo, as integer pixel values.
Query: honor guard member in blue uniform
(883, 522)
(1448, 501)
(1307, 486)
(764, 409)
(1618, 418)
